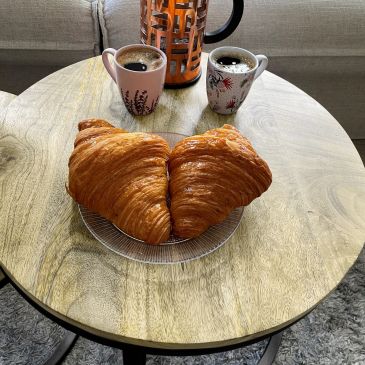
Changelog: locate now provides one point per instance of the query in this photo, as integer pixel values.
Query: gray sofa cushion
(298, 28)
(119, 22)
(48, 32)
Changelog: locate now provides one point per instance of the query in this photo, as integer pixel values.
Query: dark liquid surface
(227, 61)
(135, 66)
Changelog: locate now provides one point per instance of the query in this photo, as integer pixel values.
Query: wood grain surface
(293, 246)
(5, 100)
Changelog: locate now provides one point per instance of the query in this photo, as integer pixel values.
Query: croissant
(122, 177)
(210, 175)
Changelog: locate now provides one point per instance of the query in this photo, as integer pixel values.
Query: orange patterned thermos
(177, 28)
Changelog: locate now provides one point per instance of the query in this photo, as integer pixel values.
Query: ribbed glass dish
(175, 250)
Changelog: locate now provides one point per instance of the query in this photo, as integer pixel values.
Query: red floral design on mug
(231, 104)
(227, 83)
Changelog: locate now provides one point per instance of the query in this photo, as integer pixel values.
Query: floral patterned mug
(141, 80)
(230, 74)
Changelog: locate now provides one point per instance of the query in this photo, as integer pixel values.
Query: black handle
(229, 27)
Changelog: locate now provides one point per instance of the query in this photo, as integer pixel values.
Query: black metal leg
(3, 279)
(62, 350)
(134, 356)
(271, 349)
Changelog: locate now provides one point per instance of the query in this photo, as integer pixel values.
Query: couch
(319, 45)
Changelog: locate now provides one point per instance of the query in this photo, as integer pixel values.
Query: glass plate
(175, 250)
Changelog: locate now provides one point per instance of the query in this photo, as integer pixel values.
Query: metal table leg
(62, 349)
(133, 356)
(136, 356)
(3, 279)
(271, 349)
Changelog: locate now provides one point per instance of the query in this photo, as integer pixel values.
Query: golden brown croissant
(94, 123)
(123, 177)
(210, 175)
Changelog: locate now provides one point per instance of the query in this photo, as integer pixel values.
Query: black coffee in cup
(140, 59)
(236, 63)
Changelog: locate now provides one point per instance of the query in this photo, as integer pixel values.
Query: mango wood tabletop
(291, 249)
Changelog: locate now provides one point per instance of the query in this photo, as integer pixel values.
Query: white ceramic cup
(227, 88)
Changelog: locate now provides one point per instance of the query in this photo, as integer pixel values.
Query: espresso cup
(231, 72)
(140, 87)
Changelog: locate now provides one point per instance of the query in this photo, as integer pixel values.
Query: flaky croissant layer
(210, 175)
(123, 177)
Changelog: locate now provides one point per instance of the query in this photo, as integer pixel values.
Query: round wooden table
(292, 248)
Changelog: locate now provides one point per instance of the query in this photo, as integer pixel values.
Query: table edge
(122, 341)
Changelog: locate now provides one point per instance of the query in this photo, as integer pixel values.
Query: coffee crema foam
(140, 59)
(233, 62)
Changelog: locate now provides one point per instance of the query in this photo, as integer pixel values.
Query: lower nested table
(291, 249)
